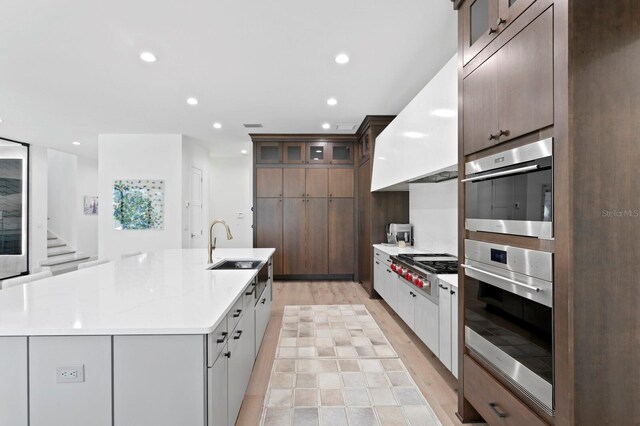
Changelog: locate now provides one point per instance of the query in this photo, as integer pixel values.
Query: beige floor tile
(284, 352)
(305, 417)
(391, 416)
(382, 396)
(280, 398)
(365, 351)
(358, 397)
(346, 351)
(329, 380)
(420, 416)
(277, 416)
(307, 352)
(349, 365)
(285, 365)
(307, 366)
(399, 378)
(326, 352)
(288, 341)
(333, 416)
(331, 397)
(384, 350)
(324, 342)
(392, 365)
(408, 396)
(371, 366)
(327, 366)
(305, 398)
(361, 416)
(306, 380)
(282, 380)
(377, 380)
(353, 380)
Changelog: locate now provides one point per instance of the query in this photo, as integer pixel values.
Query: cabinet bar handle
(223, 337)
(263, 300)
(504, 133)
(228, 354)
(493, 30)
(500, 21)
(494, 407)
(443, 287)
(249, 293)
(530, 287)
(237, 337)
(503, 173)
(237, 314)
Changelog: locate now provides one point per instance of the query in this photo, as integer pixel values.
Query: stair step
(63, 262)
(55, 245)
(61, 253)
(52, 238)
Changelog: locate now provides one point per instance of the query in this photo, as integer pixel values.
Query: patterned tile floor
(333, 367)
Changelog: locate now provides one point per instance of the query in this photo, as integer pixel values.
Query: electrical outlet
(70, 374)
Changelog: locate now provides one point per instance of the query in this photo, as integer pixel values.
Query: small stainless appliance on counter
(397, 232)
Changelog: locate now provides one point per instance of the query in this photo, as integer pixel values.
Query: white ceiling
(70, 70)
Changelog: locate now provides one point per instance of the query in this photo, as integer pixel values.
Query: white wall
(37, 207)
(194, 155)
(87, 224)
(144, 157)
(433, 212)
(232, 196)
(62, 181)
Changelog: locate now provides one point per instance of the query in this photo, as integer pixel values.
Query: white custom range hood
(421, 143)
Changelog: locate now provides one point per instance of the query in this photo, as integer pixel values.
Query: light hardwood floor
(436, 383)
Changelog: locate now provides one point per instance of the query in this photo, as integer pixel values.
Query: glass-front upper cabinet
(268, 153)
(317, 153)
(341, 153)
(293, 153)
(511, 9)
(483, 20)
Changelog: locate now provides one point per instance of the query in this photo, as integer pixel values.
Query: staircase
(61, 257)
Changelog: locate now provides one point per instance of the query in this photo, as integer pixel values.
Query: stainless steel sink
(237, 264)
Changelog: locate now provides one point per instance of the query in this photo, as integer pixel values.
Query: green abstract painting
(138, 204)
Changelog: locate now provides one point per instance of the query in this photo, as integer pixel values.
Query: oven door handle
(504, 173)
(518, 283)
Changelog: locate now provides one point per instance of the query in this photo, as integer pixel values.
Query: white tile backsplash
(433, 212)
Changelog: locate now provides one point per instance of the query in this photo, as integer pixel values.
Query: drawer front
(216, 341)
(493, 401)
(249, 297)
(234, 315)
(381, 256)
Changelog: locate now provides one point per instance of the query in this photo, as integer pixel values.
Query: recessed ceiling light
(332, 101)
(243, 152)
(76, 143)
(192, 101)
(326, 126)
(342, 59)
(148, 57)
(217, 125)
(443, 112)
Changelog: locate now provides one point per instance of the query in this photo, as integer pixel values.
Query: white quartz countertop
(394, 250)
(164, 292)
(451, 279)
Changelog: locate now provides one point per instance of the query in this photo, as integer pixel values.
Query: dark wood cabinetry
(567, 70)
(374, 210)
(313, 203)
(511, 93)
(268, 153)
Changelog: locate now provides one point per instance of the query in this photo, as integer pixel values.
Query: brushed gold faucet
(212, 242)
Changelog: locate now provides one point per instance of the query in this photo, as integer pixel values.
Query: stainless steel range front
(508, 295)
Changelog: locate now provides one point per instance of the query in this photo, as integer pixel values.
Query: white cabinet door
(426, 322)
(242, 357)
(391, 283)
(444, 320)
(378, 277)
(217, 390)
(454, 330)
(263, 312)
(13, 381)
(406, 301)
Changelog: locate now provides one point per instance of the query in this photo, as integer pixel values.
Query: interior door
(196, 231)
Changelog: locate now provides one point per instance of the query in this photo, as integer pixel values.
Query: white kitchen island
(156, 339)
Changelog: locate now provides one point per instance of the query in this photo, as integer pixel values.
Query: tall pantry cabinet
(567, 70)
(304, 203)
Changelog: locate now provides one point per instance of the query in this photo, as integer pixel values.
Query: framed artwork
(90, 204)
(138, 204)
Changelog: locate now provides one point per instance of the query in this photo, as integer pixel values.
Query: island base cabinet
(86, 402)
(444, 324)
(406, 303)
(13, 381)
(218, 399)
(426, 322)
(241, 359)
(158, 380)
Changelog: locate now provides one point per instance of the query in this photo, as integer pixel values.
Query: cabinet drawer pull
(228, 354)
(249, 293)
(237, 337)
(263, 301)
(237, 314)
(443, 287)
(377, 263)
(223, 337)
(500, 21)
(493, 30)
(504, 133)
(494, 407)
(493, 137)
(452, 292)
